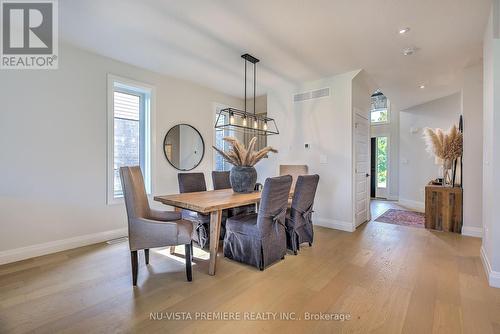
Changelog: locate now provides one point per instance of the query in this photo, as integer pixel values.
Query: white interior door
(362, 168)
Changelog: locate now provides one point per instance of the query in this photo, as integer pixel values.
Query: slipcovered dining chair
(149, 228)
(194, 182)
(299, 228)
(259, 239)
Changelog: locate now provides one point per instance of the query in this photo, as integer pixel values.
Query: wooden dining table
(211, 202)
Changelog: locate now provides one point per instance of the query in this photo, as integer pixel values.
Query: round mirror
(183, 147)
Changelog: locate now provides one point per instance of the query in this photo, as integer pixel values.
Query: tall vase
(447, 173)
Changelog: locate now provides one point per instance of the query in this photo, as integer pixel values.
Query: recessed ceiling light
(408, 51)
(421, 86)
(404, 30)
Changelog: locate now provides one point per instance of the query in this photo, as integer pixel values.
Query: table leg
(172, 248)
(215, 222)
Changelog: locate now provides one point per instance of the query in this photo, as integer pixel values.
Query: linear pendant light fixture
(242, 120)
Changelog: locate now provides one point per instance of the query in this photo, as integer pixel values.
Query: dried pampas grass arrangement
(239, 155)
(445, 146)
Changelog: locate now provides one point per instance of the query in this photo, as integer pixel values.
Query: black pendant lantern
(242, 120)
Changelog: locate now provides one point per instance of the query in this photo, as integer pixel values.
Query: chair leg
(189, 272)
(146, 256)
(310, 244)
(135, 266)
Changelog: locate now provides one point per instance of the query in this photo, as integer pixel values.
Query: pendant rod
(245, 85)
(254, 80)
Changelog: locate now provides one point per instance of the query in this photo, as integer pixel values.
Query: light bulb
(265, 126)
(255, 124)
(231, 118)
(245, 121)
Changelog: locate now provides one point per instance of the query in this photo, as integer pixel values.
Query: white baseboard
(472, 231)
(335, 224)
(22, 253)
(410, 204)
(493, 276)
(392, 198)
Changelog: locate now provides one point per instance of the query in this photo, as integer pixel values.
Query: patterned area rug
(402, 217)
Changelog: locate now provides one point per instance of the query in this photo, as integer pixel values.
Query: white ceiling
(297, 41)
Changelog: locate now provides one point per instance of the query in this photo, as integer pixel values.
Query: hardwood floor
(388, 278)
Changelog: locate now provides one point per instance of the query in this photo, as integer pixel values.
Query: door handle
(367, 175)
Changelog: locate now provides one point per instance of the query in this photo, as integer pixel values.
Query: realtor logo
(29, 37)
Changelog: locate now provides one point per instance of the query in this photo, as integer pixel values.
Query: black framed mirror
(184, 147)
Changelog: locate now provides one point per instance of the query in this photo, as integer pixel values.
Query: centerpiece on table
(447, 147)
(243, 175)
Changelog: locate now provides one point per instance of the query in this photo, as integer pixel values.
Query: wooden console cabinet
(443, 208)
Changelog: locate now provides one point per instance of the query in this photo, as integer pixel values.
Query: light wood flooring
(389, 278)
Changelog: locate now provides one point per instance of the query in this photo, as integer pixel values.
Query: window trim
(149, 93)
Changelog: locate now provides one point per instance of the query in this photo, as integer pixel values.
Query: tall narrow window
(129, 133)
(382, 162)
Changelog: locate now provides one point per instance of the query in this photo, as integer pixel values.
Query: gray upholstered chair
(148, 228)
(299, 226)
(221, 180)
(194, 182)
(259, 239)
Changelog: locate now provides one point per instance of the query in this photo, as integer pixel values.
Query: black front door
(373, 168)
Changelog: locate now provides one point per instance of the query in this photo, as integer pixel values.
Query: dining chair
(221, 180)
(149, 228)
(195, 182)
(299, 228)
(259, 239)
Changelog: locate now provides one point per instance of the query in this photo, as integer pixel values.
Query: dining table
(211, 202)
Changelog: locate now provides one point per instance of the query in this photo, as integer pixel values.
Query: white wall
(326, 125)
(472, 110)
(490, 251)
(53, 144)
(391, 130)
(416, 166)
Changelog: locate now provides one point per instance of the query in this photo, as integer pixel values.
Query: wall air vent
(311, 95)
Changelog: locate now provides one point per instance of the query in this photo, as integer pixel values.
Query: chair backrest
(221, 180)
(273, 202)
(134, 192)
(191, 182)
(305, 191)
(294, 171)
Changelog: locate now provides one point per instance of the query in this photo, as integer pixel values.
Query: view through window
(127, 140)
(381, 162)
(220, 163)
(379, 112)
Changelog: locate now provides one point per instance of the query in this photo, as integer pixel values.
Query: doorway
(379, 167)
